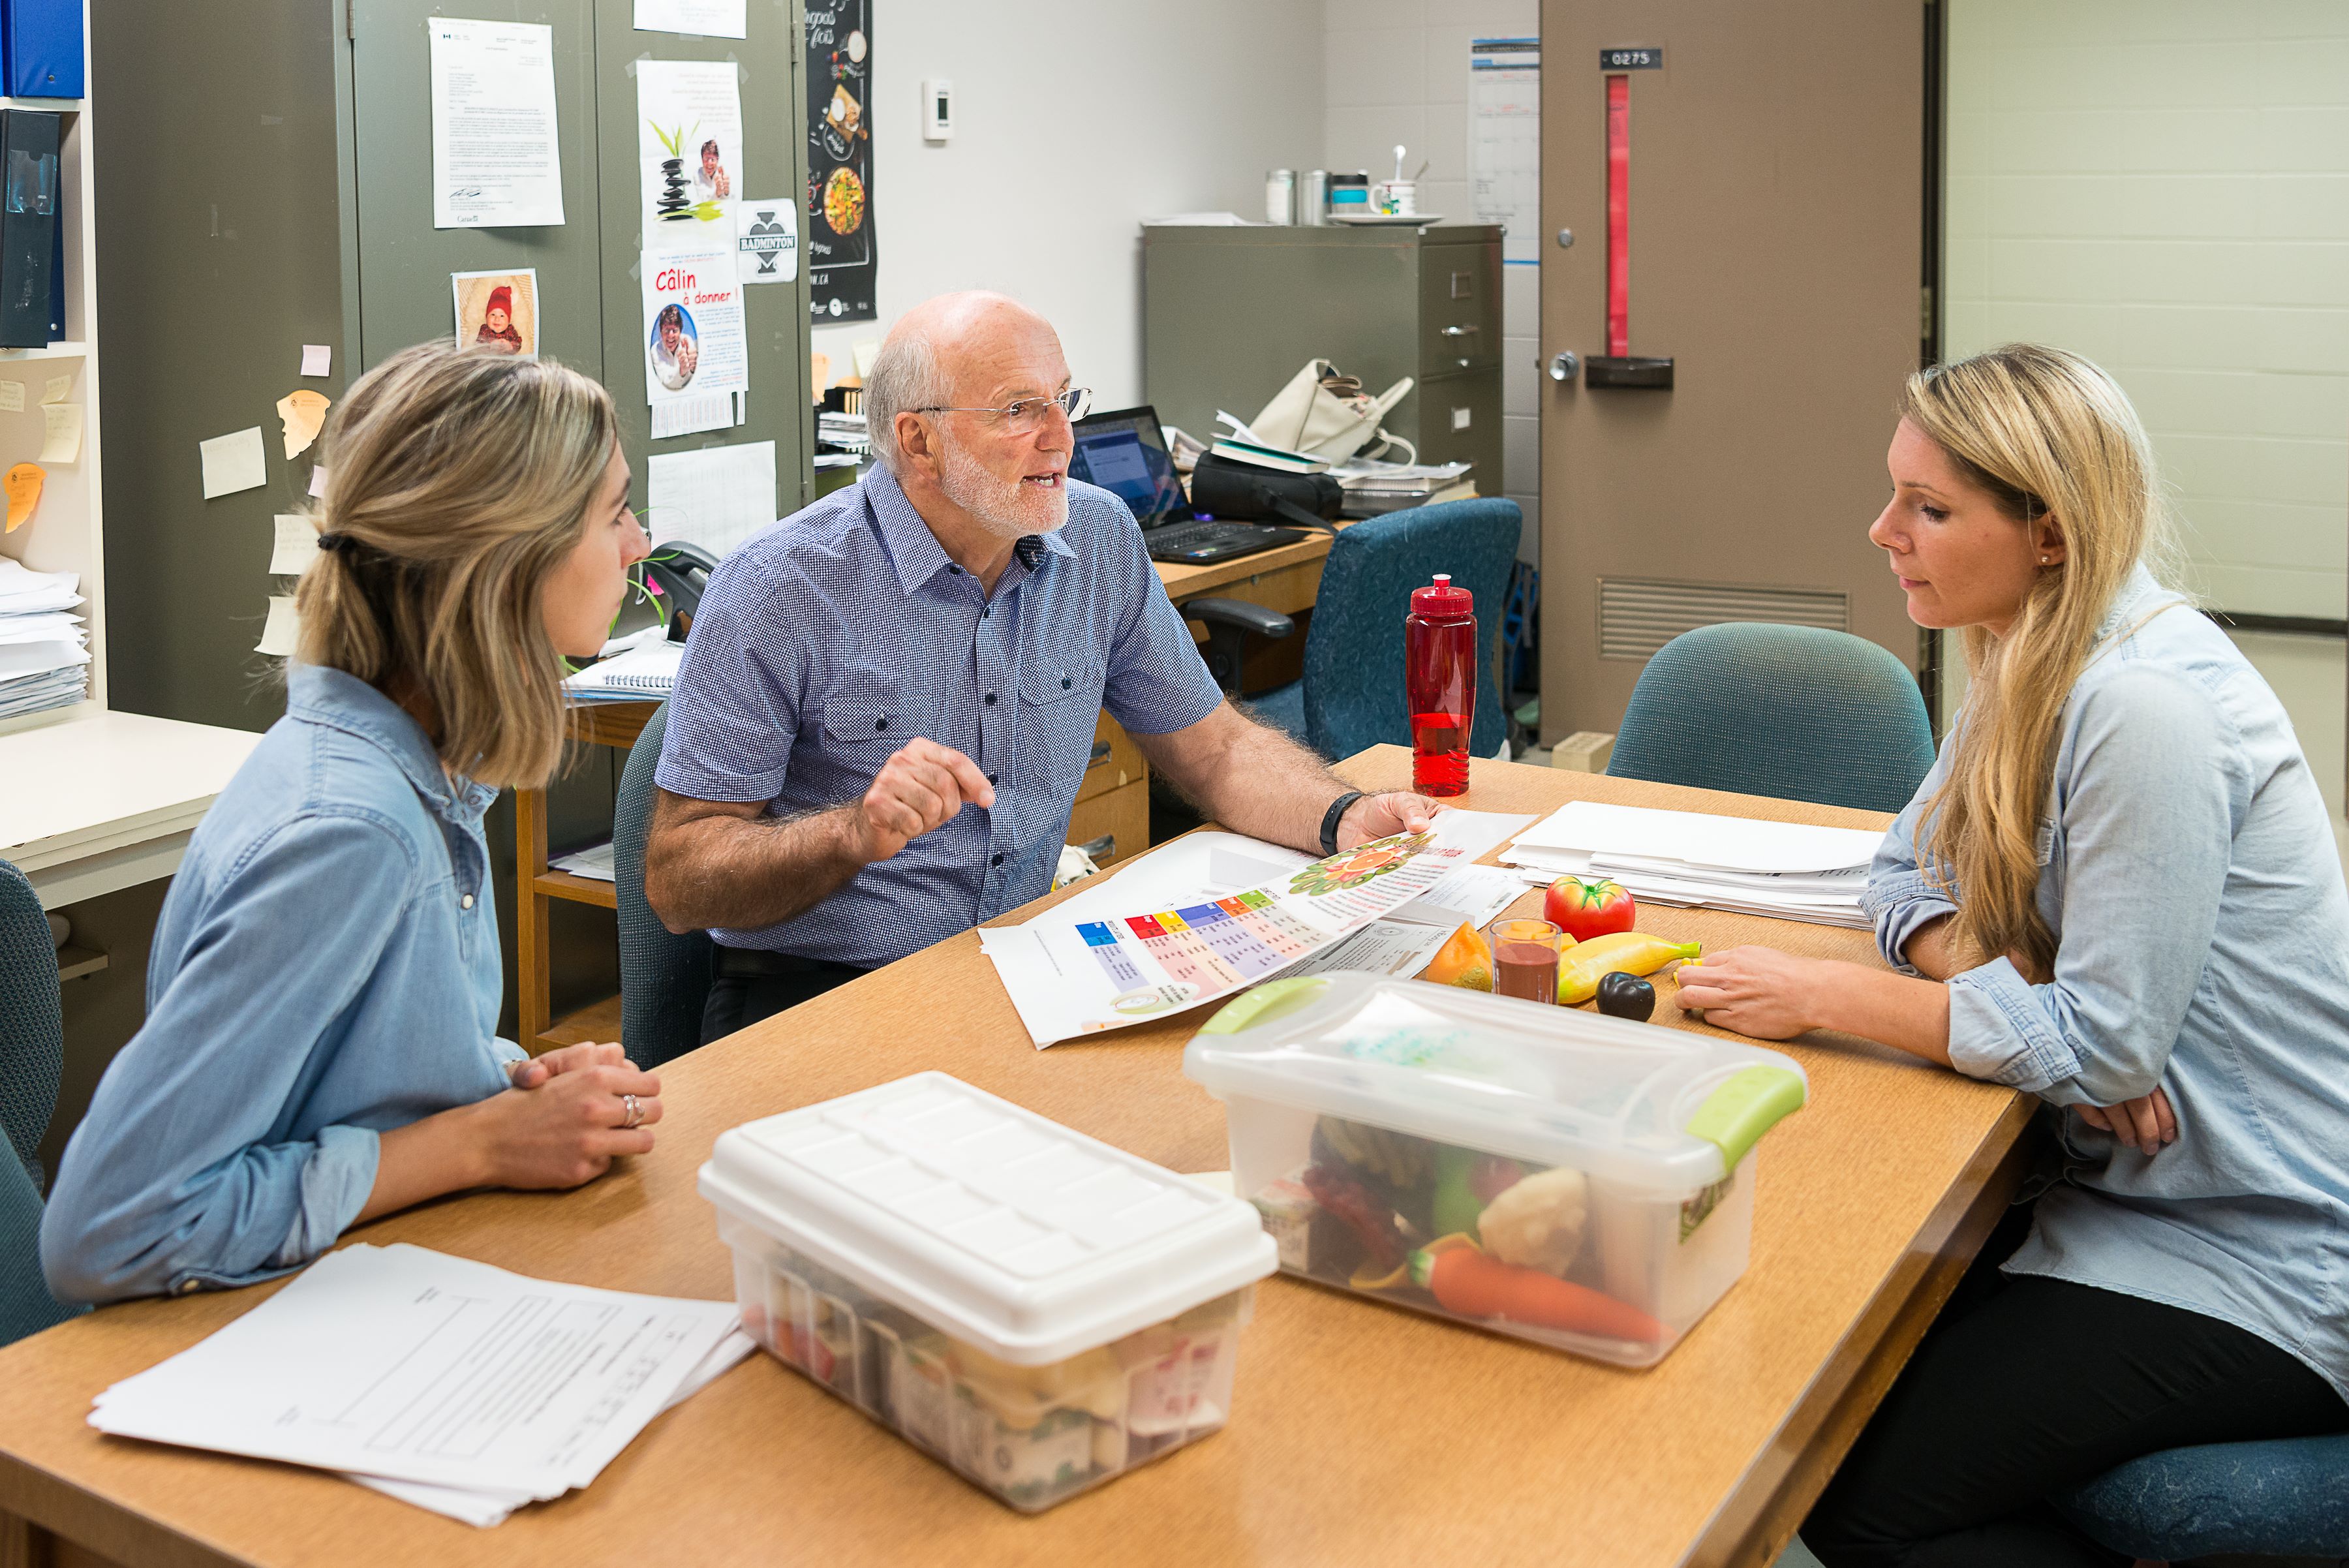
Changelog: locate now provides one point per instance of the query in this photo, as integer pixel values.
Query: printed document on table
(1142, 946)
(410, 1365)
(1701, 839)
(496, 161)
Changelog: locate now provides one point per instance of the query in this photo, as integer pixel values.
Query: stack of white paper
(1784, 869)
(449, 1384)
(44, 647)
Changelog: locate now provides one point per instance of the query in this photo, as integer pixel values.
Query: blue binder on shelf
(40, 48)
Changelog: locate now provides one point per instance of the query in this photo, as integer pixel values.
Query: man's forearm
(745, 874)
(1257, 781)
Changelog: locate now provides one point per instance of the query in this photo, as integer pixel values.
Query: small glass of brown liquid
(1525, 958)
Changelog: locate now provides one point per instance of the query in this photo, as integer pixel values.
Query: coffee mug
(1399, 197)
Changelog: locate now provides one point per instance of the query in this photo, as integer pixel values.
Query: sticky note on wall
(303, 412)
(318, 359)
(61, 423)
(297, 546)
(233, 462)
(278, 633)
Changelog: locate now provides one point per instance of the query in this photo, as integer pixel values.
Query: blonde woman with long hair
(320, 1040)
(2117, 889)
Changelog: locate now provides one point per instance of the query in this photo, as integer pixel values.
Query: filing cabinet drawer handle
(1460, 332)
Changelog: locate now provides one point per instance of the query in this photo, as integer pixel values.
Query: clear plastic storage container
(1582, 1181)
(1040, 1310)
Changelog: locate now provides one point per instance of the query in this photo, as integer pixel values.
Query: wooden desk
(1361, 1434)
(1113, 804)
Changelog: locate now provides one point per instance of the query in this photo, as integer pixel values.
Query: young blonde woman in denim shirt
(321, 1041)
(2117, 889)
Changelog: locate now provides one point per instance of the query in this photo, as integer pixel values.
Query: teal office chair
(1351, 695)
(32, 1051)
(664, 977)
(2280, 1501)
(1793, 712)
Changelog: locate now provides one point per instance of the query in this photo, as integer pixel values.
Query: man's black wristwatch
(1330, 818)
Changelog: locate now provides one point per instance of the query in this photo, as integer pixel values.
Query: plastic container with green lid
(1582, 1181)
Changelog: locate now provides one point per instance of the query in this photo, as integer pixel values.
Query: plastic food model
(1464, 961)
(1581, 967)
(1587, 909)
(1622, 995)
(1538, 1223)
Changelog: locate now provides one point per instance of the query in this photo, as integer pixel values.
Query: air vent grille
(1637, 617)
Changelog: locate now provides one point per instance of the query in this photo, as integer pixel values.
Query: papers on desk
(447, 1383)
(44, 646)
(1786, 870)
(644, 673)
(1211, 913)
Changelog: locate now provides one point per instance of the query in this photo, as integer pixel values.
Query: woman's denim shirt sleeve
(303, 997)
(2148, 791)
(1901, 898)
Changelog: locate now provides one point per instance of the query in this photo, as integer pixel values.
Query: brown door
(1776, 228)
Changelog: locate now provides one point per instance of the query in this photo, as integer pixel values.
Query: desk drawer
(1116, 761)
(1121, 817)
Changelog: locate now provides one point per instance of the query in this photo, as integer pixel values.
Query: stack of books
(1372, 488)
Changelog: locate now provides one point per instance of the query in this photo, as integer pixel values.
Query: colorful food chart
(1084, 976)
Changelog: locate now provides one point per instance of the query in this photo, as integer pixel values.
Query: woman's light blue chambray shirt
(2190, 874)
(326, 969)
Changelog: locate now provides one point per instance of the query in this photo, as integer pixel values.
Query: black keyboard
(1197, 543)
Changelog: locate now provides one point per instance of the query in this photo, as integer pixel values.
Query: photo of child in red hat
(497, 323)
(497, 312)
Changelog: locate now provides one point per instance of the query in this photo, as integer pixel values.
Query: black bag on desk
(1244, 493)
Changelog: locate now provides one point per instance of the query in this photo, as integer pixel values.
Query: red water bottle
(1439, 659)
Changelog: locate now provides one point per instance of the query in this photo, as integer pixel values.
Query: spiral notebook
(638, 675)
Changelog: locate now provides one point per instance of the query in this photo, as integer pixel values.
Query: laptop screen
(1124, 452)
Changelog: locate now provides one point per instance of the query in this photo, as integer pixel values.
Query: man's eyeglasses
(1027, 414)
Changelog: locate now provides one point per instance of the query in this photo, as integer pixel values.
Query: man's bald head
(971, 349)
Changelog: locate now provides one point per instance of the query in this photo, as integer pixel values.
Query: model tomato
(1587, 909)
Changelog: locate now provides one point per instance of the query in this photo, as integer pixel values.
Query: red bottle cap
(1443, 601)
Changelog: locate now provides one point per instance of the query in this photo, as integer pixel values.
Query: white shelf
(53, 104)
(61, 349)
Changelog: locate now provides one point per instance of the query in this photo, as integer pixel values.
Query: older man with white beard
(887, 700)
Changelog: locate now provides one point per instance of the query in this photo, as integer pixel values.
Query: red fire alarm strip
(1619, 215)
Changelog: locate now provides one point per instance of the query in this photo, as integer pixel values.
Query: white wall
(1397, 71)
(2164, 186)
(1073, 122)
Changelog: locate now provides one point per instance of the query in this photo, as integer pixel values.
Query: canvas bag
(1328, 414)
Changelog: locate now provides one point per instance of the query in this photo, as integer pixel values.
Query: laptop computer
(1124, 451)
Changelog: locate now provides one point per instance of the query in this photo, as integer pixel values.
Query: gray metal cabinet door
(398, 263)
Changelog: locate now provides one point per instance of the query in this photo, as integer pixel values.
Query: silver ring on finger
(636, 1111)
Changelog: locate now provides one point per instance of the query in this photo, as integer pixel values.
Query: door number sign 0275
(1631, 59)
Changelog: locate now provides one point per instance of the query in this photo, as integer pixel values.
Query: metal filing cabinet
(1230, 314)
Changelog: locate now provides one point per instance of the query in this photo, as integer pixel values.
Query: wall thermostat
(937, 109)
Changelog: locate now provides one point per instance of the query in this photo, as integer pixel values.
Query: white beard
(1010, 511)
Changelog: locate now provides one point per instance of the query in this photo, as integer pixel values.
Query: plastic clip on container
(1037, 1309)
(1440, 684)
(1580, 1182)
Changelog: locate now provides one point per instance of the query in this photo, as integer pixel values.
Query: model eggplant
(1622, 995)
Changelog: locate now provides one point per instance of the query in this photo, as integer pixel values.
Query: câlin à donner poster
(839, 250)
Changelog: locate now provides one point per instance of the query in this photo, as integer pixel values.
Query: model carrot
(1472, 1285)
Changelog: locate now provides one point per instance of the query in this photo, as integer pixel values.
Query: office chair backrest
(1793, 712)
(1353, 649)
(664, 977)
(32, 1051)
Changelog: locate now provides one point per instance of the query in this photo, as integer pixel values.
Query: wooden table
(1361, 1434)
(1113, 804)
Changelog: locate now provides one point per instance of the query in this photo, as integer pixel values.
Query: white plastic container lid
(1001, 1227)
(1635, 1103)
